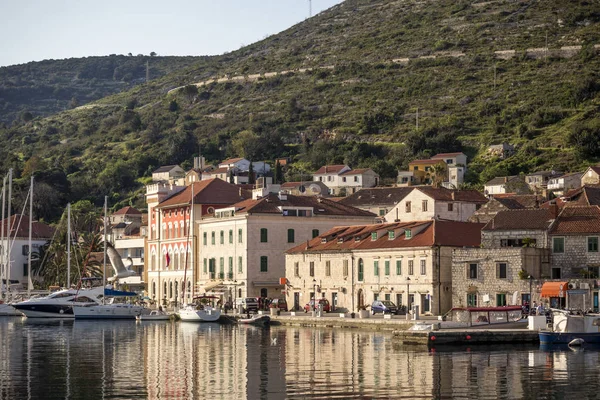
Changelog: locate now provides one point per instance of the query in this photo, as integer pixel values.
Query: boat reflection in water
(121, 359)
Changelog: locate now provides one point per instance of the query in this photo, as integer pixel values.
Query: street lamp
(314, 295)
(530, 293)
(408, 297)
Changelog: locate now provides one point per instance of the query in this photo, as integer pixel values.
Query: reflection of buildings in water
(360, 363)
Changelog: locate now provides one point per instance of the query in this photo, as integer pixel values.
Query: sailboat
(111, 309)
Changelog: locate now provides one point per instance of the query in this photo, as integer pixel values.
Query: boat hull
(547, 338)
(109, 311)
(33, 310)
(192, 315)
(256, 321)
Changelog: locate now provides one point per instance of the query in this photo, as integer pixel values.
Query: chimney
(505, 179)
(307, 246)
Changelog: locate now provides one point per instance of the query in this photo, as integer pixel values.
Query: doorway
(333, 301)
(296, 301)
(359, 299)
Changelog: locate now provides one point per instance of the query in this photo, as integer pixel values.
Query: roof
(588, 195)
(423, 162)
(330, 169)
(595, 168)
(19, 227)
(271, 203)
(427, 233)
(536, 219)
(376, 196)
(577, 220)
(500, 180)
(443, 194)
(516, 202)
(127, 211)
(446, 155)
(221, 170)
(209, 191)
(579, 174)
(357, 171)
(231, 161)
(165, 168)
(546, 173)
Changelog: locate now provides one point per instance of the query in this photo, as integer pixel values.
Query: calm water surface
(41, 359)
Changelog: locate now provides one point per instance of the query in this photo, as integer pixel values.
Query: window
(374, 236)
(361, 269)
(391, 235)
(297, 269)
(382, 212)
(25, 270)
(558, 245)
(345, 268)
(500, 299)
(472, 300)
(222, 237)
(222, 268)
(376, 268)
(327, 268)
(375, 296)
(231, 236)
(240, 269)
(356, 179)
(472, 271)
(407, 233)
(411, 267)
(264, 264)
(212, 263)
(204, 238)
(423, 267)
(290, 236)
(424, 205)
(386, 267)
(212, 238)
(263, 235)
(501, 270)
(344, 179)
(230, 272)
(407, 206)
(204, 266)
(25, 250)
(311, 270)
(398, 267)
(239, 236)
(315, 233)
(450, 206)
(593, 244)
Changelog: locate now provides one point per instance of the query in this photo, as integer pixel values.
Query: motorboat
(502, 317)
(154, 315)
(567, 326)
(60, 304)
(200, 310)
(113, 309)
(257, 320)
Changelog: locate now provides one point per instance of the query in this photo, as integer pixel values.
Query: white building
(562, 184)
(128, 233)
(343, 180)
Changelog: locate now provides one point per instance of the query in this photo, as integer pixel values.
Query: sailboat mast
(68, 245)
(8, 228)
(104, 263)
(2, 246)
(29, 280)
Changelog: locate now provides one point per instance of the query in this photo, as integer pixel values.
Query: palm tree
(439, 174)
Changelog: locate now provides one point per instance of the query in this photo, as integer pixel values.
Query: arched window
(170, 290)
(164, 229)
(176, 260)
(361, 269)
(154, 289)
(164, 293)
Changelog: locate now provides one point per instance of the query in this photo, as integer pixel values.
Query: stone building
(591, 176)
(379, 201)
(502, 202)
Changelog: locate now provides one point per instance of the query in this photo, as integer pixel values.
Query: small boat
(504, 317)
(154, 315)
(200, 310)
(567, 327)
(259, 320)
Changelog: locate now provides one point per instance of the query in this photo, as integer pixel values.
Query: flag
(168, 259)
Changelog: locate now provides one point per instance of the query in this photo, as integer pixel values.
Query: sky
(35, 30)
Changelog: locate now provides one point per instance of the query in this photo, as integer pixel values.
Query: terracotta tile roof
(515, 202)
(127, 211)
(330, 169)
(537, 219)
(577, 220)
(210, 191)
(231, 161)
(446, 155)
(426, 234)
(499, 180)
(270, 204)
(165, 168)
(221, 170)
(290, 185)
(443, 194)
(588, 195)
(424, 162)
(376, 196)
(357, 171)
(19, 227)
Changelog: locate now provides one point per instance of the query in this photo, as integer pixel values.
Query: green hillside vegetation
(39, 89)
(355, 78)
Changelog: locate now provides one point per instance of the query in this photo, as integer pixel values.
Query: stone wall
(575, 257)
(493, 239)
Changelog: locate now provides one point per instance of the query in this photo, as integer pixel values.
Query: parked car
(281, 304)
(383, 306)
(311, 305)
(248, 304)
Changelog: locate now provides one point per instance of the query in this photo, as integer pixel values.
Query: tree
(439, 174)
(152, 54)
(278, 173)
(190, 92)
(251, 177)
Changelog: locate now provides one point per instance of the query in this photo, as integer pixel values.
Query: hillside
(47, 87)
(348, 86)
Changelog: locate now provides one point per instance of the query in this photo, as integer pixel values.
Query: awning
(554, 289)
(211, 285)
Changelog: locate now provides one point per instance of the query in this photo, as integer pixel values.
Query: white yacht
(200, 311)
(60, 304)
(111, 309)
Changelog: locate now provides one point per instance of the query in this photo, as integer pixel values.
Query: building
(241, 250)
(423, 171)
(168, 173)
(426, 202)
(406, 262)
(501, 202)
(170, 260)
(501, 151)
(310, 188)
(380, 201)
(17, 229)
(505, 184)
(127, 234)
(456, 165)
(538, 181)
(342, 180)
(562, 184)
(591, 176)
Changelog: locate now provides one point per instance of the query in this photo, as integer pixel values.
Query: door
(359, 299)
(595, 301)
(296, 301)
(333, 301)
